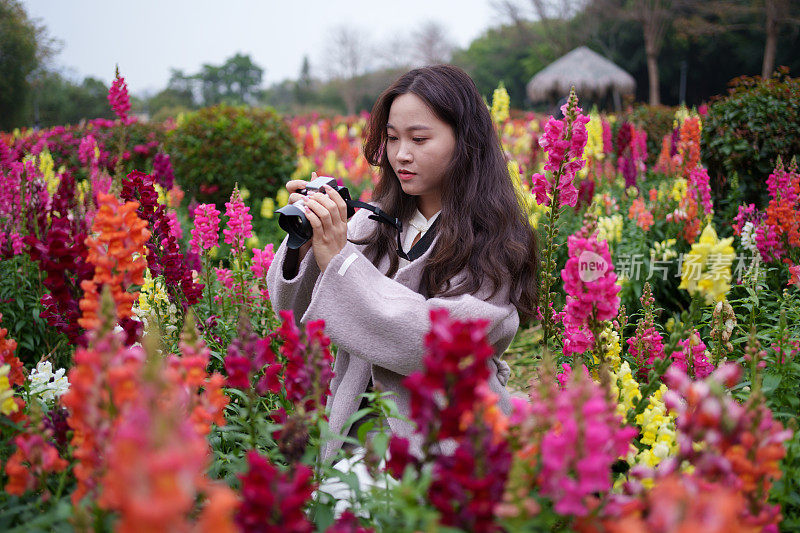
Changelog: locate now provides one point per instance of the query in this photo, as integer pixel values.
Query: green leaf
(771, 382)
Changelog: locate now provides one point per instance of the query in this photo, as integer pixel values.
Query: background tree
(551, 16)
(62, 101)
(511, 54)
(432, 44)
(700, 18)
(654, 18)
(303, 87)
(241, 79)
(178, 97)
(24, 48)
(348, 56)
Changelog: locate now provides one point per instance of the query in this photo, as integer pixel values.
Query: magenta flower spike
(118, 97)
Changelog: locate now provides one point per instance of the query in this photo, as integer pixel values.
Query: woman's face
(419, 146)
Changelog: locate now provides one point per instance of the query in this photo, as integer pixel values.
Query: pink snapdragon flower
(162, 170)
(781, 185)
(262, 259)
(224, 277)
(794, 275)
(691, 358)
(240, 227)
(564, 141)
(119, 99)
(746, 214)
(592, 290)
(175, 228)
(86, 149)
(769, 243)
(582, 437)
(205, 234)
(699, 185)
(608, 143)
(17, 243)
(10, 197)
(645, 347)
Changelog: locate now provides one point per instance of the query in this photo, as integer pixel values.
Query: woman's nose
(404, 154)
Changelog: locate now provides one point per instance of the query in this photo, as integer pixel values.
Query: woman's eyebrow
(411, 128)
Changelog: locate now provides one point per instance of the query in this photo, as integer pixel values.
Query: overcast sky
(148, 37)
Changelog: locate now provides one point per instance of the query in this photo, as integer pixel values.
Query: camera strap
(418, 249)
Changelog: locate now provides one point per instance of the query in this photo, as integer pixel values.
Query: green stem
(61, 482)
(251, 426)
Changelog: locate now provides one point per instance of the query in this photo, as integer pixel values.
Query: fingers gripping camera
(293, 220)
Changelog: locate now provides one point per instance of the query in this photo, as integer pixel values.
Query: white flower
(47, 385)
(748, 238)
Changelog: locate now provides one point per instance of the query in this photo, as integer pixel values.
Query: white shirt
(418, 225)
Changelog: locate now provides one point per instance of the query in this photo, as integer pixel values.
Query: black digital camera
(293, 219)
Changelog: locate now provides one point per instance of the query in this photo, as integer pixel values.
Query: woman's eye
(391, 138)
(419, 139)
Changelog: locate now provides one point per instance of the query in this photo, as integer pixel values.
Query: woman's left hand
(327, 214)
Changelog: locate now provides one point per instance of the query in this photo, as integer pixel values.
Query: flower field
(147, 385)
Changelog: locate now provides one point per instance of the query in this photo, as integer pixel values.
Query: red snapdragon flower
(272, 501)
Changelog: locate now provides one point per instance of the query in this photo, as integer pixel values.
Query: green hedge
(215, 147)
(657, 121)
(746, 131)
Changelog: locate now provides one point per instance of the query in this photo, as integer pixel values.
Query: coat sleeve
(379, 319)
(295, 294)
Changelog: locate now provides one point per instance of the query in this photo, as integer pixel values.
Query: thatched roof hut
(590, 73)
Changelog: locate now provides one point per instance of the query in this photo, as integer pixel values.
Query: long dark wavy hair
(483, 229)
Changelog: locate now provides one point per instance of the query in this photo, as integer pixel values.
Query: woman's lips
(405, 175)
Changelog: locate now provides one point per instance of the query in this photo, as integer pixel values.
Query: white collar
(420, 223)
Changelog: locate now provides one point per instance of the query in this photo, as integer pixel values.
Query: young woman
(441, 163)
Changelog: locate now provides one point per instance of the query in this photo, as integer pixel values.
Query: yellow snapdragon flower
(315, 134)
(610, 228)
(267, 208)
(153, 293)
(282, 197)
(162, 194)
(329, 164)
(47, 168)
(656, 424)
(7, 403)
(681, 114)
(658, 431)
(625, 388)
(706, 269)
(500, 104)
(594, 143)
(83, 190)
(679, 189)
(663, 250)
(609, 340)
(305, 166)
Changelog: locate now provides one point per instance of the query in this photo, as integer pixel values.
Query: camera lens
(299, 225)
(294, 222)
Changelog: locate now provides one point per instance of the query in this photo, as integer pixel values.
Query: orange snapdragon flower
(639, 212)
(667, 163)
(16, 375)
(118, 254)
(689, 144)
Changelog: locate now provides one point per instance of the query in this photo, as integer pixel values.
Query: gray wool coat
(379, 324)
